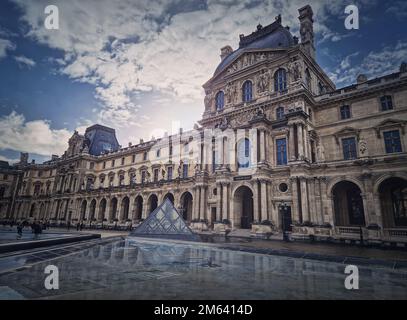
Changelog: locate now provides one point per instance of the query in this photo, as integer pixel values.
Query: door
(285, 213)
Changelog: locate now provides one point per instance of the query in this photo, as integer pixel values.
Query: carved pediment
(248, 59)
(347, 131)
(390, 124)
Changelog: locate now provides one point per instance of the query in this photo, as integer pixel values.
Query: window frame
(399, 141)
(248, 84)
(356, 155)
(218, 95)
(281, 161)
(349, 109)
(280, 81)
(381, 103)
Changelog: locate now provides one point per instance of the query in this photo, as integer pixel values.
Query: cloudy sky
(139, 65)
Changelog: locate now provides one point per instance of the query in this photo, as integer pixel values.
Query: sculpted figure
(263, 81)
(363, 148)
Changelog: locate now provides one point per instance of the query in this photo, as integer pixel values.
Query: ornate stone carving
(320, 152)
(295, 69)
(263, 80)
(231, 92)
(208, 101)
(363, 151)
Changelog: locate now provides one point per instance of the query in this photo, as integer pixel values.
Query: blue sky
(138, 66)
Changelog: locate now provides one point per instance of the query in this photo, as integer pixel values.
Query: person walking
(20, 227)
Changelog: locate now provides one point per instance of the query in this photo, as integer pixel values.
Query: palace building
(278, 147)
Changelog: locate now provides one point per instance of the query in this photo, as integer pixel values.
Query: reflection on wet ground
(27, 235)
(149, 269)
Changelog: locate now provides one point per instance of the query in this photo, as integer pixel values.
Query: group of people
(36, 226)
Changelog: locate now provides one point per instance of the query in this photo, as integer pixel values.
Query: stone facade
(278, 146)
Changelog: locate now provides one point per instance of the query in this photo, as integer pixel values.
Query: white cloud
(37, 137)
(375, 64)
(25, 62)
(129, 47)
(5, 46)
(10, 161)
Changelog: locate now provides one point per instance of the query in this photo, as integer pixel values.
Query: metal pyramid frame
(164, 222)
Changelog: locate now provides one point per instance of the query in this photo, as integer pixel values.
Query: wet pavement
(27, 235)
(156, 269)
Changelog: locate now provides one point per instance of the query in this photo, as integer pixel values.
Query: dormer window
(247, 91)
(220, 100)
(280, 80)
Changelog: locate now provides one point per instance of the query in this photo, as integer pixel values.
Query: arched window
(280, 80)
(220, 100)
(279, 113)
(247, 91)
(243, 153)
(308, 78)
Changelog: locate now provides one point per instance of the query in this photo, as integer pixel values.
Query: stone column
(300, 140)
(291, 145)
(225, 201)
(256, 213)
(264, 207)
(218, 201)
(304, 199)
(295, 208)
(312, 201)
(195, 213)
(202, 209)
(262, 147)
(306, 147)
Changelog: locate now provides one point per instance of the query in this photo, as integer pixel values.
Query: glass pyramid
(164, 222)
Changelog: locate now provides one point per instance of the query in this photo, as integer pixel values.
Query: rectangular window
(169, 173)
(133, 158)
(281, 151)
(143, 176)
(170, 151)
(144, 156)
(158, 153)
(155, 175)
(91, 165)
(104, 165)
(5, 177)
(392, 141)
(185, 171)
(113, 161)
(349, 148)
(345, 112)
(387, 103)
(122, 161)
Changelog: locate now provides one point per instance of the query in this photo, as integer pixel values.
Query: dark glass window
(220, 100)
(143, 176)
(280, 113)
(308, 78)
(155, 175)
(113, 161)
(247, 91)
(345, 112)
(104, 165)
(145, 156)
(280, 80)
(392, 141)
(281, 151)
(169, 173)
(185, 171)
(122, 161)
(158, 152)
(387, 103)
(133, 158)
(243, 153)
(349, 148)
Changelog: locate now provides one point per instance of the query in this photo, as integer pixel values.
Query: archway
(348, 204)
(138, 205)
(169, 196)
(32, 210)
(243, 207)
(186, 206)
(83, 210)
(113, 209)
(152, 203)
(124, 211)
(102, 210)
(393, 202)
(42, 212)
(92, 210)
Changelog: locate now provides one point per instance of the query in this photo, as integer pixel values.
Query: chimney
(23, 157)
(130, 144)
(225, 51)
(307, 30)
